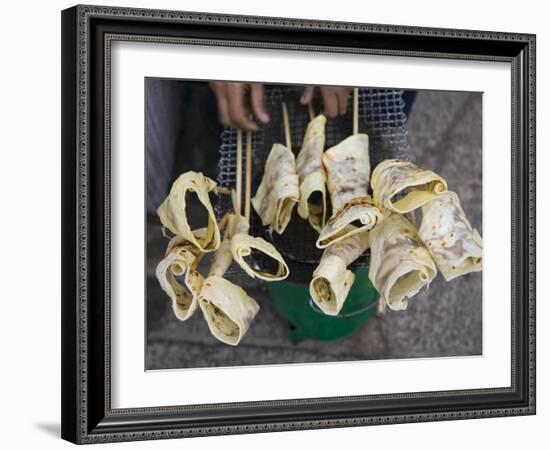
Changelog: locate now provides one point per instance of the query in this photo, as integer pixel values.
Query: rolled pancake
(270, 266)
(227, 308)
(223, 258)
(348, 170)
(181, 260)
(309, 167)
(278, 192)
(173, 210)
(361, 212)
(400, 264)
(394, 176)
(455, 246)
(257, 257)
(332, 280)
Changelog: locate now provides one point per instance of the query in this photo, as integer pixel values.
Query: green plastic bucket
(307, 321)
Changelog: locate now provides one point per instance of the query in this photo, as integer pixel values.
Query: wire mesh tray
(381, 116)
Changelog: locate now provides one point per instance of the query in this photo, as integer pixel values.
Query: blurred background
(437, 130)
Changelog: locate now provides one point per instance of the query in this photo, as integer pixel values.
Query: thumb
(307, 96)
(257, 100)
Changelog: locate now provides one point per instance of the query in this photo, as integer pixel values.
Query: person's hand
(335, 99)
(234, 110)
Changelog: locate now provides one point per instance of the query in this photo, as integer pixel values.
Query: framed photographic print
(282, 224)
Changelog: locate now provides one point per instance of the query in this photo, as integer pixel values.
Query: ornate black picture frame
(87, 34)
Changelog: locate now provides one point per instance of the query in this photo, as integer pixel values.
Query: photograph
(280, 223)
(297, 224)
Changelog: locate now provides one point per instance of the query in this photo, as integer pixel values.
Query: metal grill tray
(381, 116)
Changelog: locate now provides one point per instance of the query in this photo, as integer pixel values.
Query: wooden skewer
(311, 112)
(355, 110)
(287, 127)
(248, 176)
(220, 190)
(239, 171)
(223, 221)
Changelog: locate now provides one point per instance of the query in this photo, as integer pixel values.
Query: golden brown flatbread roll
(348, 170)
(400, 264)
(360, 212)
(309, 166)
(278, 192)
(227, 308)
(181, 260)
(455, 246)
(347, 167)
(332, 280)
(173, 210)
(258, 258)
(418, 186)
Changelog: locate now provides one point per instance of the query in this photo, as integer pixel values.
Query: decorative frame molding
(87, 34)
